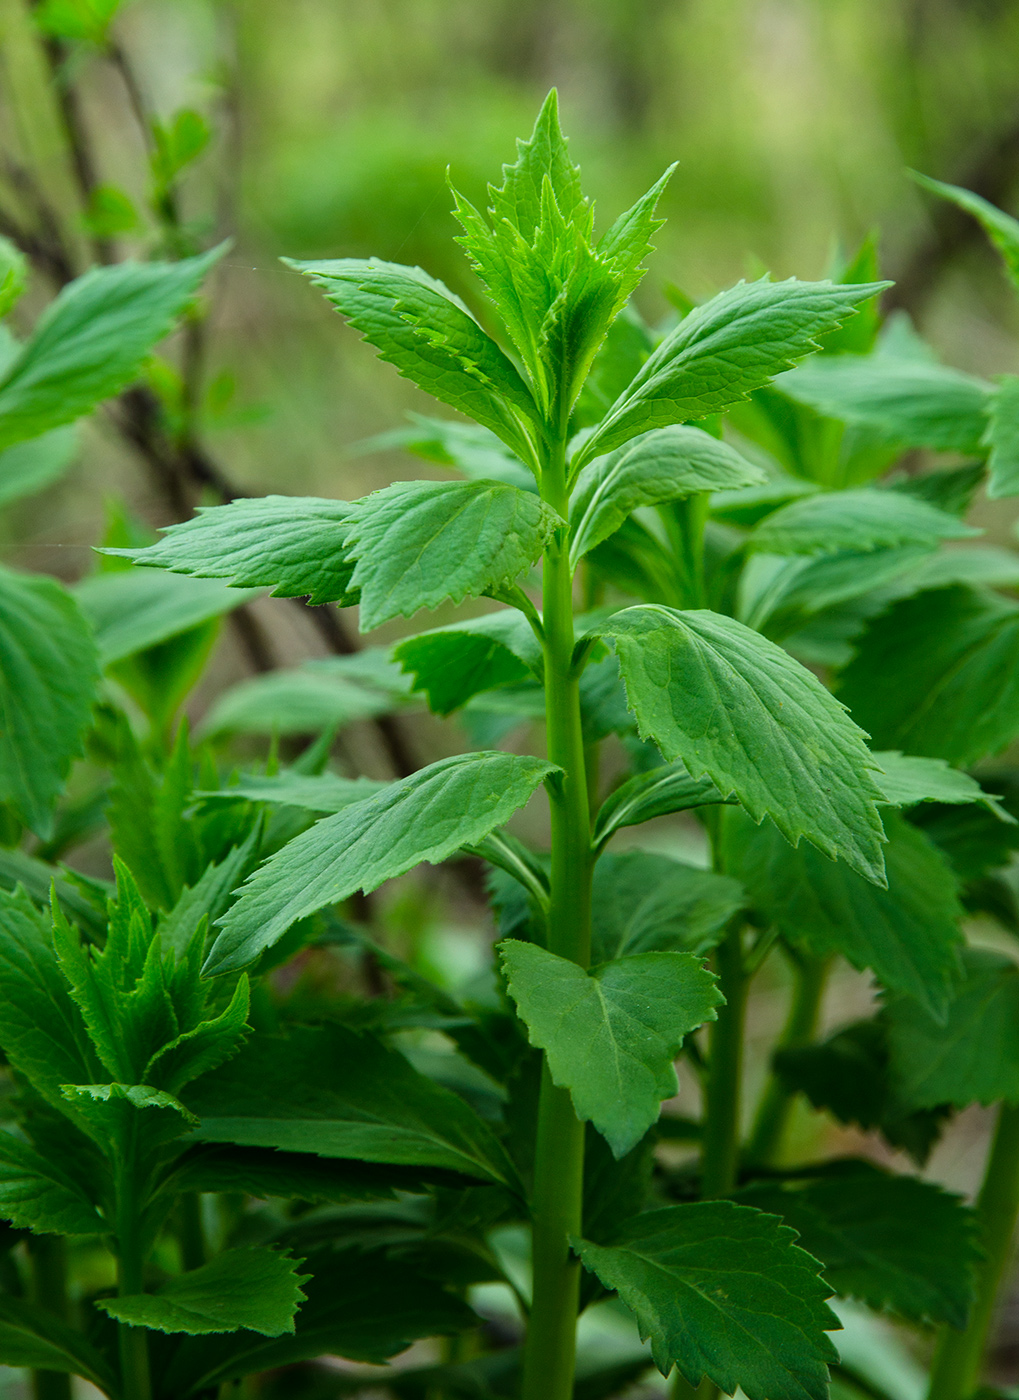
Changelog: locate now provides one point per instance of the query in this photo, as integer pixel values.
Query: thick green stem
(557, 1199)
(720, 1161)
(133, 1341)
(776, 1103)
(48, 1261)
(958, 1360)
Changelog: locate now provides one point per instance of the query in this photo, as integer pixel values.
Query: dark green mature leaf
(40, 881)
(656, 793)
(36, 1194)
(611, 1035)
(664, 465)
(264, 1172)
(292, 544)
(974, 1058)
(893, 1242)
(724, 1292)
(907, 934)
(911, 402)
(855, 520)
(425, 817)
(645, 903)
(33, 1336)
(949, 488)
(421, 543)
(734, 706)
(1001, 228)
(32, 466)
(1002, 438)
(938, 674)
(48, 675)
(453, 663)
(91, 341)
(295, 701)
(132, 609)
(330, 1092)
(721, 352)
(418, 325)
(906, 780)
(253, 1287)
(474, 451)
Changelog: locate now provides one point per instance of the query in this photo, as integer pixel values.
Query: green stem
(958, 1360)
(725, 1071)
(556, 1206)
(133, 1341)
(776, 1103)
(48, 1260)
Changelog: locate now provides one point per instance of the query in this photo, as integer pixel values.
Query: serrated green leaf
(201, 1048)
(974, 1058)
(91, 341)
(906, 780)
(255, 1288)
(264, 1172)
(545, 154)
(315, 792)
(330, 1092)
(721, 352)
(938, 675)
(34, 1336)
(48, 674)
(207, 899)
(421, 543)
(895, 1243)
(907, 934)
(32, 466)
(1002, 438)
(112, 1114)
(1001, 228)
(295, 701)
(611, 1035)
(36, 1194)
(425, 817)
(656, 793)
(724, 1292)
(734, 706)
(133, 609)
(453, 663)
(292, 544)
(420, 327)
(643, 903)
(474, 451)
(664, 465)
(855, 520)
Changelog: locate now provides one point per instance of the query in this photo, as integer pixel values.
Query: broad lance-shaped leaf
(891, 1241)
(35, 1337)
(974, 1058)
(736, 707)
(92, 340)
(318, 792)
(48, 675)
(938, 675)
(667, 788)
(611, 1035)
(255, 1288)
(418, 325)
(907, 934)
(723, 1291)
(1001, 228)
(906, 780)
(453, 663)
(330, 1092)
(664, 465)
(722, 351)
(1002, 438)
(421, 543)
(294, 545)
(298, 700)
(644, 903)
(425, 817)
(855, 520)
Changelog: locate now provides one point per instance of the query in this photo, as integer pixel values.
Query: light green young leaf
(292, 544)
(664, 465)
(315, 792)
(35, 1194)
(723, 1291)
(721, 352)
(753, 503)
(328, 1091)
(48, 675)
(35, 1337)
(425, 817)
(253, 1287)
(474, 451)
(907, 934)
(418, 325)
(207, 898)
(645, 903)
(668, 788)
(938, 674)
(202, 1048)
(1001, 228)
(1002, 437)
(32, 466)
(421, 543)
(912, 403)
(734, 706)
(856, 520)
(133, 609)
(906, 780)
(974, 1058)
(453, 663)
(545, 154)
(296, 701)
(91, 341)
(611, 1035)
(111, 1113)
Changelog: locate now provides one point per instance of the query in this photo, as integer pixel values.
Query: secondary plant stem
(559, 1156)
(725, 1070)
(959, 1356)
(133, 1341)
(810, 976)
(48, 1258)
